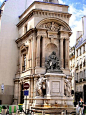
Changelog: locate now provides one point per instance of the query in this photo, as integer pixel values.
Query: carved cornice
(29, 32)
(16, 79)
(40, 2)
(37, 12)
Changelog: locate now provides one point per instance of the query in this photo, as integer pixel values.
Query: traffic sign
(26, 92)
(2, 86)
(26, 86)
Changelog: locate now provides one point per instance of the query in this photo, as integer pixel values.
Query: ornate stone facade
(46, 41)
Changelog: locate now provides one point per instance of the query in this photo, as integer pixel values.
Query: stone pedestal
(55, 90)
(39, 101)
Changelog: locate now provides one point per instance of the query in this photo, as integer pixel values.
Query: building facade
(26, 42)
(72, 65)
(78, 63)
(80, 67)
(9, 17)
(43, 28)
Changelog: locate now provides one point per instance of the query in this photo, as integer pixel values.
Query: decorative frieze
(51, 14)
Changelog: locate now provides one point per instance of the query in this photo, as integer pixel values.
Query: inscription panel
(55, 86)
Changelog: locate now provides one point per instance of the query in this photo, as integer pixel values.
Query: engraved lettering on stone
(55, 86)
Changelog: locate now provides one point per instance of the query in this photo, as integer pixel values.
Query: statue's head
(53, 53)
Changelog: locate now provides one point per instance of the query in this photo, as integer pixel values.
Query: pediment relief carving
(50, 26)
(53, 26)
(62, 28)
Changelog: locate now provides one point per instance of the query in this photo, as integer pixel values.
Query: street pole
(26, 104)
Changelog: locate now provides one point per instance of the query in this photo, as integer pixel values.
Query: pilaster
(29, 54)
(67, 53)
(19, 97)
(35, 82)
(61, 52)
(43, 53)
(38, 52)
(32, 88)
(33, 53)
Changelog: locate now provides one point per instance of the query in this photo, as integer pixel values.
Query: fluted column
(67, 53)
(33, 52)
(38, 52)
(58, 48)
(20, 60)
(43, 53)
(61, 52)
(29, 55)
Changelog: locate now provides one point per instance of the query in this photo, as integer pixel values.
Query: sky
(78, 9)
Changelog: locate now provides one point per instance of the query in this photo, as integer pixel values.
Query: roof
(3, 3)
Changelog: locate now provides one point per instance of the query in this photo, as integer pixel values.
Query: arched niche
(49, 49)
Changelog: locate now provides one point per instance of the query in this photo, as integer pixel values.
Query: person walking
(81, 106)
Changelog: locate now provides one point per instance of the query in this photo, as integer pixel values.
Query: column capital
(61, 38)
(34, 34)
(38, 37)
(66, 38)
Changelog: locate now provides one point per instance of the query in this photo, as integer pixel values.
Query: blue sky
(78, 9)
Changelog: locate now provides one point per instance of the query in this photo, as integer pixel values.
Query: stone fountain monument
(54, 88)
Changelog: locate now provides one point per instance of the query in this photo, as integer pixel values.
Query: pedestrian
(81, 107)
(7, 113)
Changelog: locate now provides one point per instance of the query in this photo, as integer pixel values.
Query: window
(79, 77)
(80, 65)
(76, 76)
(77, 53)
(25, 28)
(83, 48)
(84, 63)
(80, 51)
(85, 73)
(24, 62)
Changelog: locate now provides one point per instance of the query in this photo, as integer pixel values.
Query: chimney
(84, 26)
